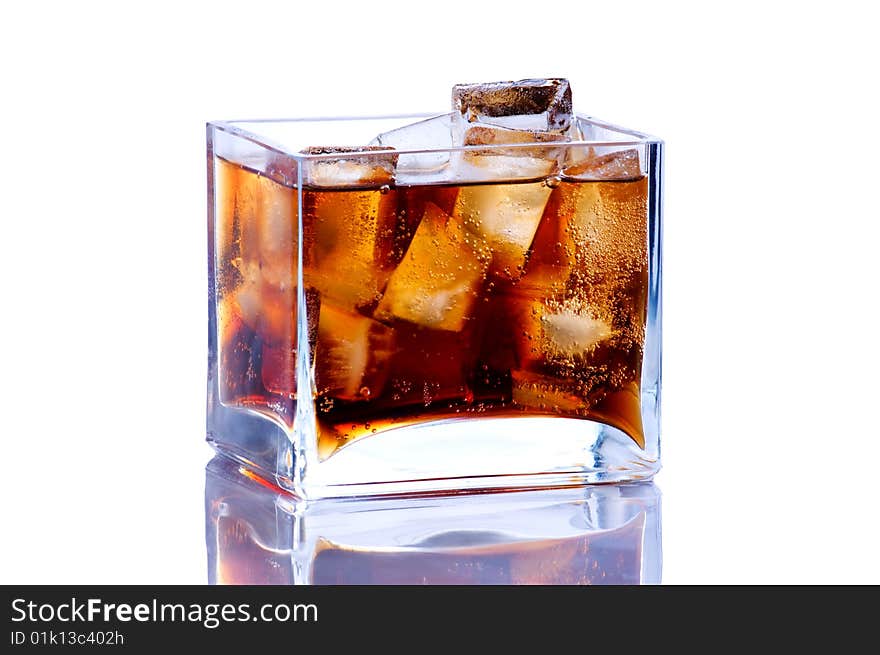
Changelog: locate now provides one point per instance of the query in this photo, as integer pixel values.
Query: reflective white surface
(604, 534)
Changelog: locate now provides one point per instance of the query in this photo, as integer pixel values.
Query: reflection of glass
(258, 534)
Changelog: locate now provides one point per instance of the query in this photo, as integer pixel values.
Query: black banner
(331, 617)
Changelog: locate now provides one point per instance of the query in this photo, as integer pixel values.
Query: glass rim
(232, 127)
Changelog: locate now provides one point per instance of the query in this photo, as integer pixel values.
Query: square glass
(420, 315)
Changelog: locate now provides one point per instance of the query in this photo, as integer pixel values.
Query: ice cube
(592, 244)
(283, 170)
(263, 230)
(434, 132)
(480, 135)
(505, 217)
(588, 164)
(437, 282)
(279, 357)
(600, 162)
(259, 298)
(428, 135)
(555, 332)
(435, 164)
(278, 368)
(542, 392)
(537, 104)
(551, 254)
(585, 128)
(569, 333)
(238, 356)
(352, 354)
(349, 223)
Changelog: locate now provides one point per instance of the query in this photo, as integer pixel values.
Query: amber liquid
(433, 302)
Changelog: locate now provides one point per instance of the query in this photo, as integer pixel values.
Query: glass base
(486, 454)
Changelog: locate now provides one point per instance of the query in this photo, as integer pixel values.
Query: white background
(770, 116)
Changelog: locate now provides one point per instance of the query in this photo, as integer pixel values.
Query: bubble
(553, 181)
(384, 189)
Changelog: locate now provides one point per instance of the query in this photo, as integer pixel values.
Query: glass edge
(231, 127)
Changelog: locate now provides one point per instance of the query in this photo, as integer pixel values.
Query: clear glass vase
(422, 315)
